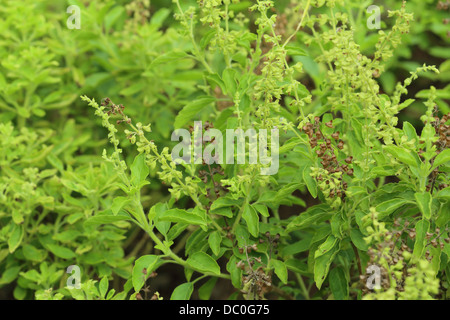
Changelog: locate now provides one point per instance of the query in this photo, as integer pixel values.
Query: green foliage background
(62, 204)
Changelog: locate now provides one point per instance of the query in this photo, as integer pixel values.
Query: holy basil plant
(224, 149)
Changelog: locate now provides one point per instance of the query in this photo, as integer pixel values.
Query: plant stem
(241, 210)
(302, 286)
(200, 57)
(308, 4)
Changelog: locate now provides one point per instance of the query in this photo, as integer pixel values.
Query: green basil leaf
(358, 240)
(103, 286)
(422, 228)
(139, 170)
(311, 216)
(183, 216)
(190, 110)
(214, 241)
(205, 291)
(442, 158)
(251, 218)
(183, 291)
(280, 270)
(405, 156)
(203, 262)
(339, 284)
(15, 237)
(322, 265)
(142, 269)
(424, 201)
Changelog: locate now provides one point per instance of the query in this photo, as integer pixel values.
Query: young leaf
(436, 254)
(443, 216)
(133, 89)
(188, 274)
(207, 38)
(103, 286)
(410, 131)
(154, 215)
(139, 170)
(118, 204)
(160, 16)
(17, 217)
(225, 211)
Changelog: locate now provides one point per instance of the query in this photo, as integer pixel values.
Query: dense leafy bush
(360, 193)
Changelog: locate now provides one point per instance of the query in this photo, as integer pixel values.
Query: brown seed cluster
(280, 28)
(249, 249)
(260, 284)
(152, 275)
(256, 282)
(139, 10)
(227, 228)
(207, 173)
(272, 242)
(396, 242)
(435, 239)
(443, 5)
(443, 133)
(396, 246)
(325, 149)
(115, 110)
(384, 282)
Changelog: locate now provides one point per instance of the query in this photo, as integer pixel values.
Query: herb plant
(358, 209)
